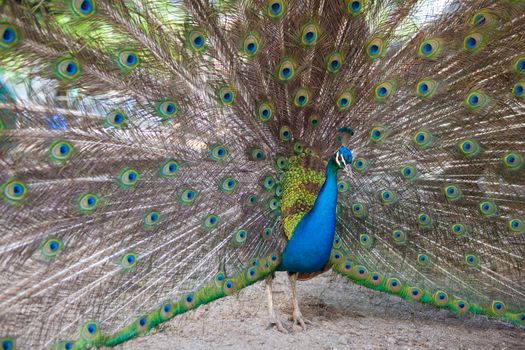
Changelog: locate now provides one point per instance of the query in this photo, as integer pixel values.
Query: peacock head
(343, 157)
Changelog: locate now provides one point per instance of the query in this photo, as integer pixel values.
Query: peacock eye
(89, 330)
(264, 112)
(87, 203)
(519, 89)
(388, 197)
(375, 47)
(274, 204)
(469, 148)
(251, 45)
(151, 219)
(314, 120)
(276, 9)
(286, 69)
(196, 40)
(516, 225)
(460, 229)
(127, 60)
(345, 101)
(116, 119)
(218, 152)
(379, 133)
(268, 182)
(424, 260)
(430, 49)
(8, 36)
(309, 34)
(360, 165)
(423, 139)
(452, 193)
(302, 97)
(476, 100)
(366, 240)
(519, 65)
(479, 19)
(169, 168)
(282, 163)
(166, 109)
(50, 248)
(334, 62)
(127, 178)
(226, 95)
(60, 151)
(472, 260)
(240, 237)
(488, 208)
(210, 221)
(84, 8)
(355, 7)
(440, 298)
(498, 307)
(285, 133)
(399, 237)
(383, 91)
(257, 154)
(128, 260)
(474, 42)
(426, 88)
(66, 68)
(513, 161)
(470, 42)
(227, 185)
(409, 172)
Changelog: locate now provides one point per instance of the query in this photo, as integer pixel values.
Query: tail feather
(137, 139)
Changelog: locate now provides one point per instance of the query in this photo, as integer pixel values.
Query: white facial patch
(339, 159)
(341, 162)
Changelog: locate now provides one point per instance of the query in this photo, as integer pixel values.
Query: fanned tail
(144, 145)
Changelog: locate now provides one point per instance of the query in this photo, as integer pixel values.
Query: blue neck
(326, 200)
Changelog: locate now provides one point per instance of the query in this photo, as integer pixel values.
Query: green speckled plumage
(156, 156)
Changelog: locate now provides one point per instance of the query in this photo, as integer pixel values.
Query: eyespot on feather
(431, 48)
(309, 34)
(66, 68)
(251, 45)
(84, 8)
(9, 36)
(334, 61)
(355, 7)
(286, 69)
(14, 191)
(196, 40)
(275, 9)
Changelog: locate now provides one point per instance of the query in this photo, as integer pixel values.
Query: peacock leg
(297, 316)
(274, 320)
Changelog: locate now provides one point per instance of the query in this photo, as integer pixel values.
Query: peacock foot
(299, 320)
(274, 321)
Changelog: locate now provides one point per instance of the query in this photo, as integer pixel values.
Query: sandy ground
(345, 316)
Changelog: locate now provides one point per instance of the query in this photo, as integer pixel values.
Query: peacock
(158, 155)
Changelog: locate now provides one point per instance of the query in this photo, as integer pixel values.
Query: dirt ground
(345, 316)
